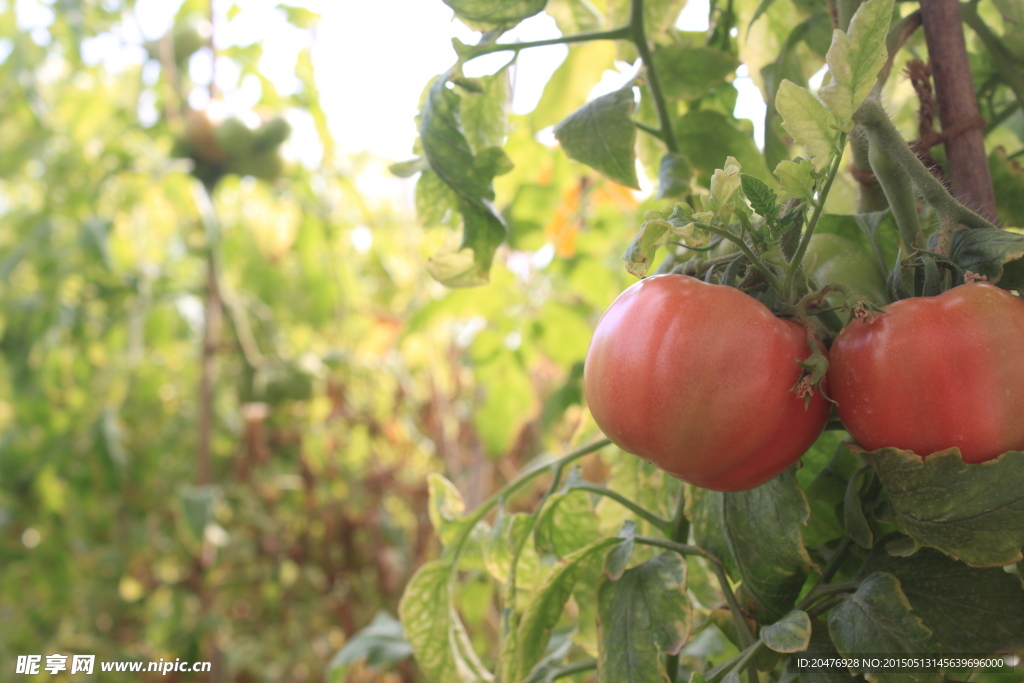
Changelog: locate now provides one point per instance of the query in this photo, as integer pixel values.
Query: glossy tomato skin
(935, 372)
(696, 379)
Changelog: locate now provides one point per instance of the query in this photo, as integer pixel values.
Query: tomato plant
(677, 364)
(935, 372)
(752, 259)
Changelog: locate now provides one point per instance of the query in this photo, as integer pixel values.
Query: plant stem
(639, 38)
(826, 605)
(680, 533)
(570, 669)
(882, 133)
(819, 206)
(673, 546)
(519, 483)
(621, 33)
(899, 192)
(650, 130)
(663, 525)
(757, 262)
(742, 627)
(837, 560)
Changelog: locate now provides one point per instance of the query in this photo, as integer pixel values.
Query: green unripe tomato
(832, 259)
(272, 133)
(266, 165)
(235, 137)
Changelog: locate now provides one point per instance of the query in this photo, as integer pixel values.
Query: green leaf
(674, 175)
(640, 252)
(485, 114)
(855, 59)
(705, 137)
(878, 619)
(457, 269)
(511, 532)
(434, 630)
(757, 534)
(407, 169)
(566, 523)
(806, 119)
(993, 253)
(968, 609)
(602, 135)
(435, 201)
(380, 645)
(761, 197)
(568, 87)
(856, 523)
(642, 617)
(451, 157)
(446, 508)
(688, 71)
(618, 557)
(659, 15)
(548, 602)
(792, 633)
(300, 16)
(821, 647)
(796, 178)
(496, 12)
(972, 512)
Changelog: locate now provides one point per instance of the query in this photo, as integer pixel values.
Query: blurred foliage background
(342, 374)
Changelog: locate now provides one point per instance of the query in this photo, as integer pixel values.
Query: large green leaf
(548, 603)
(855, 59)
(567, 523)
(878, 620)
(689, 71)
(972, 512)
(708, 137)
(996, 254)
(643, 616)
(601, 134)
(484, 113)
(806, 119)
(568, 87)
(968, 609)
(792, 633)
(451, 158)
(434, 629)
(757, 533)
(498, 12)
(379, 645)
(821, 647)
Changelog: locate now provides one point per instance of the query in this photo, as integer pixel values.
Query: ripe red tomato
(696, 378)
(934, 373)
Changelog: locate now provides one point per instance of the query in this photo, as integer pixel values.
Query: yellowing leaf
(855, 59)
(806, 119)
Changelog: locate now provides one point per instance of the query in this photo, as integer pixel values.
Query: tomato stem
(882, 134)
(663, 525)
(639, 37)
(621, 33)
(748, 252)
(819, 206)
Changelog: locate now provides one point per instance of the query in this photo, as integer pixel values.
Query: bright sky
(372, 60)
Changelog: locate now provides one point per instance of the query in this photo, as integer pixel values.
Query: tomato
(831, 259)
(696, 378)
(935, 373)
